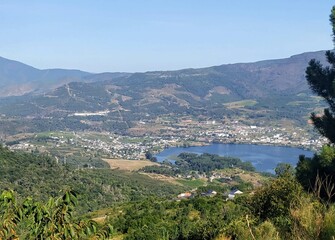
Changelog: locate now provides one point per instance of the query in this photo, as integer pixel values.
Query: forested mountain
(273, 89)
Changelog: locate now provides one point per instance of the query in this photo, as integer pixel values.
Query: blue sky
(124, 35)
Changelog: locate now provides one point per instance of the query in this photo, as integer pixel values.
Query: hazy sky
(142, 35)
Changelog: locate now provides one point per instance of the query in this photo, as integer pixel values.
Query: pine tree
(317, 174)
(321, 80)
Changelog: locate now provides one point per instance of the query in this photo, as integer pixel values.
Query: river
(264, 158)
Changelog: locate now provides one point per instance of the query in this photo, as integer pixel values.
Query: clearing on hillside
(128, 165)
(241, 104)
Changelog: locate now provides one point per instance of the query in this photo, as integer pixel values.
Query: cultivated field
(241, 104)
(128, 165)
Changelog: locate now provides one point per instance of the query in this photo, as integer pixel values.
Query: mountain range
(17, 78)
(271, 88)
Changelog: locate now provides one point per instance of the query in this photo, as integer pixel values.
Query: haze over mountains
(271, 88)
(17, 78)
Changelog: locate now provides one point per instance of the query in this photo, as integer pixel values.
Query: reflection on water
(264, 158)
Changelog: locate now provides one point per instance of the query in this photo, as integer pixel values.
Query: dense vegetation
(54, 220)
(278, 210)
(188, 163)
(206, 163)
(318, 173)
(39, 176)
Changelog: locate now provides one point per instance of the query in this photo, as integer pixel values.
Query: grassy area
(164, 178)
(54, 134)
(94, 136)
(128, 165)
(192, 183)
(241, 104)
(256, 179)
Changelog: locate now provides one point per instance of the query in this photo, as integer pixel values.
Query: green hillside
(40, 177)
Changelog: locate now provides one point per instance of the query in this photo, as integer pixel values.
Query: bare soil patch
(128, 165)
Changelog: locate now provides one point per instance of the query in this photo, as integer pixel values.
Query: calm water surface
(264, 158)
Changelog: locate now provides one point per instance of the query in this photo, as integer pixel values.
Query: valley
(97, 135)
(123, 115)
(167, 120)
(160, 134)
(113, 120)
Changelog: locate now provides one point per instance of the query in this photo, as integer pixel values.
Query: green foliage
(274, 201)
(205, 163)
(198, 218)
(318, 173)
(153, 218)
(39, 176)
(149, 156)
(164, 170)
(266, 230)
(321, 81)
(238, 229)
(328, 224)
(53, 220)
(307, 218)
(275, 210)
(327, 155)
(192, 164)
(332, 21)
(196, 183)
(312, 219)
(284, 169)
(10, 215)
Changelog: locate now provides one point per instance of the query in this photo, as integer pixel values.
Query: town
(155, 136)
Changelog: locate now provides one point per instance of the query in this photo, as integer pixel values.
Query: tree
(275, 200)
(322, 82)
(284, 169)
(148, 155)
(317, 174)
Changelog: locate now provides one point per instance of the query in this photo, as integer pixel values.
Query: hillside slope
(273, 89)
(17, 78)
(40, 177)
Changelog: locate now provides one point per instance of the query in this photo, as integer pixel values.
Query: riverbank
(263, 157)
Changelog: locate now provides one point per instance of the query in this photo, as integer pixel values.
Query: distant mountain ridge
(17, 78)
(271, 89)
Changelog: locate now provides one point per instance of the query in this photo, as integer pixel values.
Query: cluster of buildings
(193, 193)
(184, 132)
(196, 132)
(239, 133)
(210, 193)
